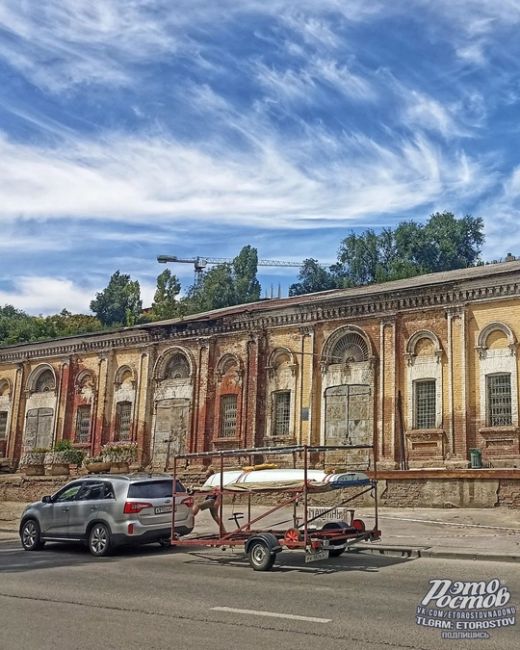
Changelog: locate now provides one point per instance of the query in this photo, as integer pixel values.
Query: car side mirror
(47, 499)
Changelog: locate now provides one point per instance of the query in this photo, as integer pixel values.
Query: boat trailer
(262, 544)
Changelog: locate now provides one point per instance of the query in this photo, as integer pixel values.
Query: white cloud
(49, 295)
(275, 183)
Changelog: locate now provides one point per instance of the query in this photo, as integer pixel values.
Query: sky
(135, 128)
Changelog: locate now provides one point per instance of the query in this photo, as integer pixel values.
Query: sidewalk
(480, 534)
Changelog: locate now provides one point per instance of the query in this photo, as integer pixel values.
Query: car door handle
(66, 509)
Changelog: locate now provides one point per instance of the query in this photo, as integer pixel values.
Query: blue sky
(132, 128)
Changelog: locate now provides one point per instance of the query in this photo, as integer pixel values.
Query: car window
(93, 491)
(153, 489)
(68, 493)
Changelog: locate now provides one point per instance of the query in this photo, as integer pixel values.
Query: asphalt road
(63, 599)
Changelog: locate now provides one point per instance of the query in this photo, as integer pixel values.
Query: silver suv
(108, 510)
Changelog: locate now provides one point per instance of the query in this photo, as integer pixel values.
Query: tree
(245, 267)
(311, 278)
(120, 302)
(215, 290)
(442, 244)
(165, 303)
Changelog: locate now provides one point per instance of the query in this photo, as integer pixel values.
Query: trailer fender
(269, 540)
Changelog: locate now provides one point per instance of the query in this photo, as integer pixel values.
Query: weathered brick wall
(509, 493)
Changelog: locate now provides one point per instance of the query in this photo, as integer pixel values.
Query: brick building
(427, 366)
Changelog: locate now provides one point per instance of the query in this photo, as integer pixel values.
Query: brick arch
(277, 356)
(491, 328)
(37, 374)
(6, 388)
(343, 337)
(417, 337)
(226, 362)
(162, 363)
(121, 372)
(82, 377)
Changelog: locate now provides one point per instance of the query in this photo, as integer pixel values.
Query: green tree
(216, 289)
(245, 267)
(311, 278)
(165, 304)
(120, 302)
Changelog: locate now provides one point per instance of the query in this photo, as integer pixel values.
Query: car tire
(165, 542)
(30, 535)
(99, 540)
(336, 552)
(260, 556)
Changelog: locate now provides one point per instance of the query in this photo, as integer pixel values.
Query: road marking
(254, 612)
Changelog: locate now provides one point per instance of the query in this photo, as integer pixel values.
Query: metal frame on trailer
(262, 544)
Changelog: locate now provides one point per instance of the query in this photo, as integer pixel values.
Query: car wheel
(336, 552)
(260, 556)
(30, 536)
(165, 542)
(99, 541)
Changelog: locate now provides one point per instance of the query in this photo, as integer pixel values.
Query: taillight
(133, 507)
(188, 501)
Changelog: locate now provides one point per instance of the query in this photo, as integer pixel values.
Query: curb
(432, 553)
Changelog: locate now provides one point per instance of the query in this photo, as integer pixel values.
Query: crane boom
(200, 263)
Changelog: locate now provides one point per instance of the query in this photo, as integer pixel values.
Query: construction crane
(200, 263)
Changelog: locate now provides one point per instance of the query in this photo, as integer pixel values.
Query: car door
(62, 506)
(91, 500)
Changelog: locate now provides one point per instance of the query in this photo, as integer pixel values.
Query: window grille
(499, 400)
(3, 424)
(282, 413)
(351, 347)
(425, 406)
(123, 420)
(228, 416)
(83, 424)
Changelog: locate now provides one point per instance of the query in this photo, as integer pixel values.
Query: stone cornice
(305, 313)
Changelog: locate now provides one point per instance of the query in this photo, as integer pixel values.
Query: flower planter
(119, 468)
(57, 469)
(99, 467)
(33, 470)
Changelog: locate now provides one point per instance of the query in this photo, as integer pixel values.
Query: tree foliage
(120, 302)
(18, 327)
(313, 277)
(442, 243)
(165, 304)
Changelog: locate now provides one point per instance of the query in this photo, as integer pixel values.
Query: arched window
(350, 348)
(45, 382)
(178, 367)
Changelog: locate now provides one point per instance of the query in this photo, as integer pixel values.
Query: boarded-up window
(123, 420)
(3, 424)
(38, 428)
(499, 400)
(83, 424)
(171, 430)
(281, 412)
(348, 415)
(425, 407)
(228, 416)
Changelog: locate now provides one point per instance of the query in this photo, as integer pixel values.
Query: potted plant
(32, 461)
(62, 455)
(120, 456)
(96, 464)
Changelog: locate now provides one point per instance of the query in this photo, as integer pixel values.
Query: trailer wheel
(336, 552)
(260, 556)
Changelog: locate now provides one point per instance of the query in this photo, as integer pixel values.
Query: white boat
(281, 477)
